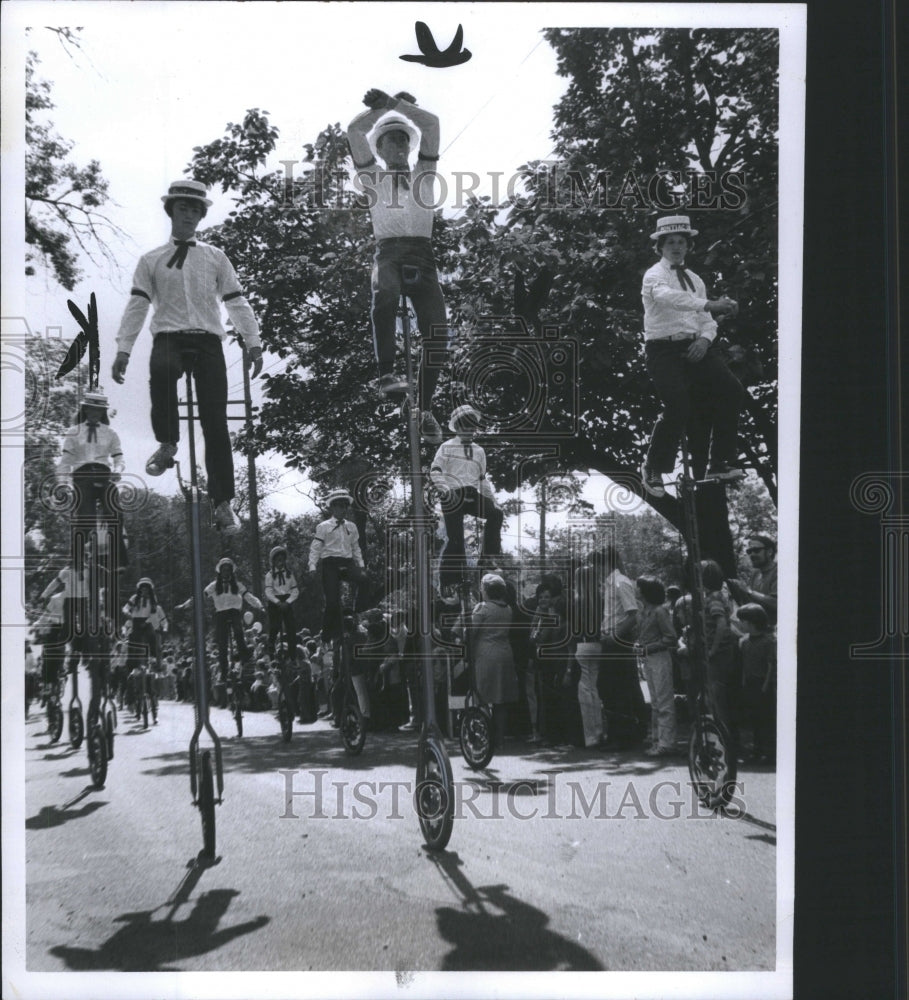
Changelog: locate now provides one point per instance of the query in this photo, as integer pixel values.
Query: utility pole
(542, 504)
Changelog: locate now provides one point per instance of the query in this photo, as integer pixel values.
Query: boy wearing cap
(679, 332)
(336, 546)
(92, 459)
(401, 208)
(459, 474)
(186, 281)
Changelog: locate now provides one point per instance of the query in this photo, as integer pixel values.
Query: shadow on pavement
(143, 944)
(51, 816)
(493, 930)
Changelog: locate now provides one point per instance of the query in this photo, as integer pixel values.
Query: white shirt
(335, 539)
(274, 590)
(143, 609)
(619, 600)
(396, 208)
(75, 584)
(670, 308)
(458, 464)
(79, 451)
(187, 298)
(226, 601)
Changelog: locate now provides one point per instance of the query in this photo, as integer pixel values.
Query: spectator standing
(656, 640)
(760, 585)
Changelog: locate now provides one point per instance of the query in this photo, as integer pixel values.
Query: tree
(62, 200)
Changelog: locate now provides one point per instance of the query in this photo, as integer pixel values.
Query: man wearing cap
(92, 460)
(336, 546)
(760, 586)
(679, 333)
(401, 207)
(186, 281)
(459, 474)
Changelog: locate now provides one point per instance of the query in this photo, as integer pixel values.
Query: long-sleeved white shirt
(78, 450)
(143, 609)
(187, 297)
(278, 585)
(229, 601)
(671, 309)
(457, 465)
(335, 539)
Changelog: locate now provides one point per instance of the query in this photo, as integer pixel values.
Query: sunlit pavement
(560, 859)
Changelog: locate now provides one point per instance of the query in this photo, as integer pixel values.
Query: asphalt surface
(560, 859)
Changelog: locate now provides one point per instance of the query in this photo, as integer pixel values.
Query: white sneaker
(225, 518)
(162, 459)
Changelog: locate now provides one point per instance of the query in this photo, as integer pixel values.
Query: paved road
(559, 860)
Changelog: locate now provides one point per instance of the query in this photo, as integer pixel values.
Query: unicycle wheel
(434, 796)
(207, 804)
(712, 763)
(285, 719)
(97, 754)
(54, 720)
(109, 733)
(76, 728)
(353, 728)
(476, 738)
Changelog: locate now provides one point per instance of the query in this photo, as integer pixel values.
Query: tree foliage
(62, 200)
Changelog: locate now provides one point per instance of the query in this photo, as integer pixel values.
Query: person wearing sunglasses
(760, 585)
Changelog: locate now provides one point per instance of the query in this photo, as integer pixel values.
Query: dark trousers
(681, 384)
(619, 688)
(281, 615)
(142, 643)
(459, 503)
(94, 485)
(210, 377)
(333, 567)
(406, 265)
(225, 623)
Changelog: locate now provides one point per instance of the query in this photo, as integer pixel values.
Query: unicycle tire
(434, 795)
(285, 719)
(54, 720)
(207, 805)
(76, 728)
(144, 711)
(353, 728)
(109, 733)
(476, 738)
(97, 754)
(712, 763)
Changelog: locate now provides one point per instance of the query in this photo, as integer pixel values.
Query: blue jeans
(406, 265)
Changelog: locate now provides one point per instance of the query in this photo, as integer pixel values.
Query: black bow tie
(279, 578)
(92, 433)
(684, 278)
(401, 179)
(468, 451)
(180, 253)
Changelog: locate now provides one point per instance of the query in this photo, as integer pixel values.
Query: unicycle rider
(458, 472)
(401, 203)
(679, 336)
(335, 548)
(185, 281)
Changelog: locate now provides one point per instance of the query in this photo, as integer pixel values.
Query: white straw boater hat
(393, 124)
(95, 398)
(673, 224)
(338, 495)
(464, 417)
(193, 190)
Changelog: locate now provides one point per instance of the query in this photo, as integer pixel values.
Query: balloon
(257, 628)
(248, 618)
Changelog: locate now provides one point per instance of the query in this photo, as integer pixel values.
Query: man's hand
(698, 349)
(118, 370)
(255, 361)
(723, 306)
(376, 99)
(402, 95)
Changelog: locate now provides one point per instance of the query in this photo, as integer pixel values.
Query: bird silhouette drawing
(87, 337)
(437, 58)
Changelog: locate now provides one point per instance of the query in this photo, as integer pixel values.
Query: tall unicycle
(434, 794)
(206, 773)
(475, 731)
(351, 723)
(712, 764)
